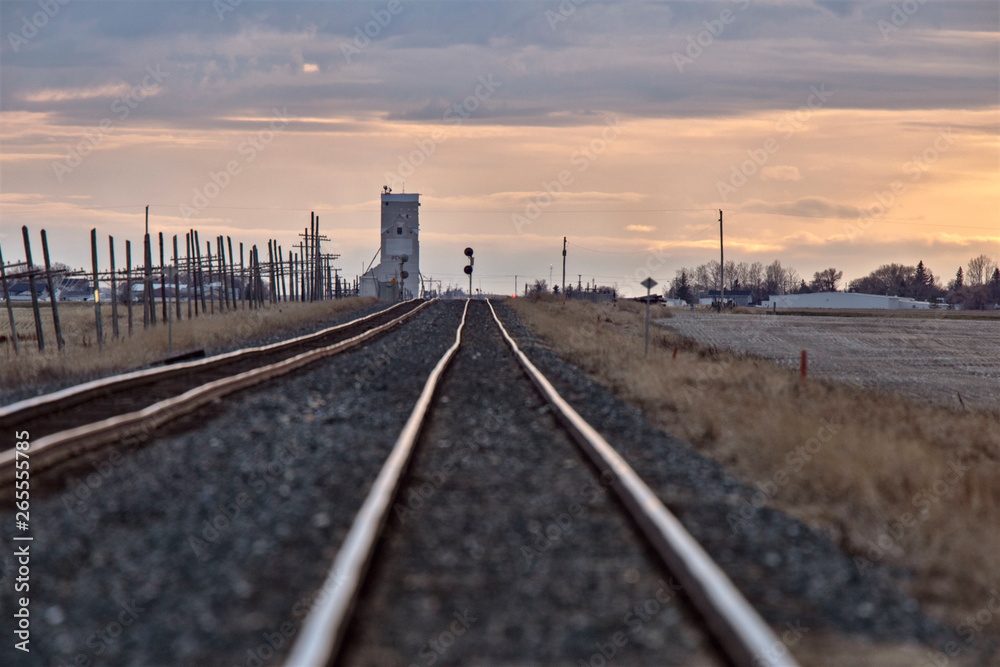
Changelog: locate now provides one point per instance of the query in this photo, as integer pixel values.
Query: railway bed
(128, 392)
(303, 458)
(504, 533)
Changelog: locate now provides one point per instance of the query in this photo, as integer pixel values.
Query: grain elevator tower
(398, 272)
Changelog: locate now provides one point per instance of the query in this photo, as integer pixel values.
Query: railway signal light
(468, 268)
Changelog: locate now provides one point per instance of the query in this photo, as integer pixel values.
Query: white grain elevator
(397, 275)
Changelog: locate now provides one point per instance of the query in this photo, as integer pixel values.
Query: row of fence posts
(310, 276)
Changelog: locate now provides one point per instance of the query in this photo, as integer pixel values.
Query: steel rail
(60, 446)
(742, 633)
(324, 627)
(71, 396)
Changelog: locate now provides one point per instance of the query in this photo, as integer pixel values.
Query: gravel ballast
(504, 547)
(793, 575)
(207, 546)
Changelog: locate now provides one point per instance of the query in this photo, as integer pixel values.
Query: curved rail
(63, 445)
(744, 637)
(325, 626)
(71, 396)
(743, 634)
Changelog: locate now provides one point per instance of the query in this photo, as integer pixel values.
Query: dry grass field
(895, 482)
(82, 360)
(927, 358)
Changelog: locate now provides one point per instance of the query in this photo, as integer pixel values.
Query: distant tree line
(975, 287)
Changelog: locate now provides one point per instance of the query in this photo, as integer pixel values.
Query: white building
(398, 270)
(845, 300)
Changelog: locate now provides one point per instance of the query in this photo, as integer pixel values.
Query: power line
(889, 221)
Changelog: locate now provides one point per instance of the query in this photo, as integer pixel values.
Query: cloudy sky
(845, 134)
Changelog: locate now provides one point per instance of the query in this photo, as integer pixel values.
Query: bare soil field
(931, 359)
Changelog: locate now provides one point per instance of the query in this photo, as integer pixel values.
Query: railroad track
(133, 404)
(345, 624)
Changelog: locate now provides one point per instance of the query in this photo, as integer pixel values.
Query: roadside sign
(648, 283)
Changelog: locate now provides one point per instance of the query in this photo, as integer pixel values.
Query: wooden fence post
(10, 308)
(232, 271)
(60, 343)
(146, 282)
(270, 269)
(260, 280)
(128, 282)
(31, 287)
(114, 289)
(177, 282)
(97, 289)
(281, 272)
(255, 279)
(208, 257)
(220, 250)
(243, 282)
(251, 280)
(163, 283)
(258, 277)
(190, 276)
(201, 279)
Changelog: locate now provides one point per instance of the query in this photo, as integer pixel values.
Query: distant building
(595, 295)
(397, 274)
(845, 300)
(736, 297)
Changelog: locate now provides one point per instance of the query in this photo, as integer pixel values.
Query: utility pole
(564, 267)
(722, 268)
(312, 280)
(649, 284)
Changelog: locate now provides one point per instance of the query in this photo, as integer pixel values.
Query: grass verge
(894, 483)
(81, 360)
